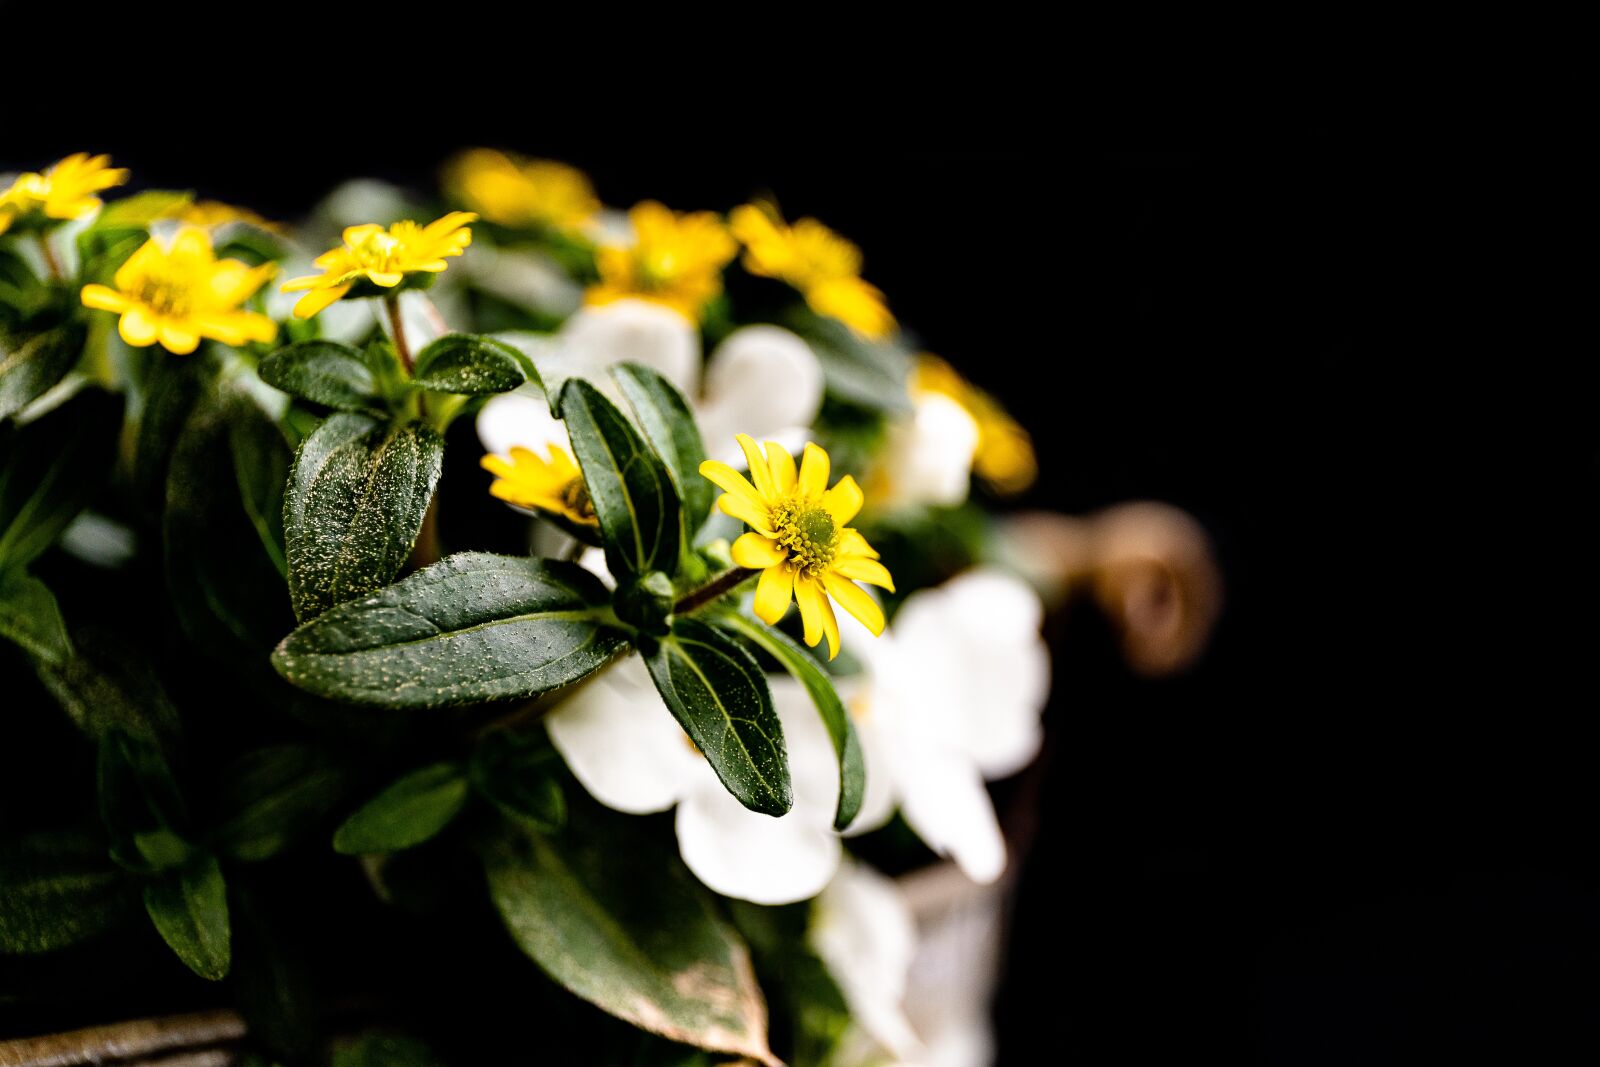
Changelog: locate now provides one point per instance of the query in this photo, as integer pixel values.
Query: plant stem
(397, 327)
(722, 583)
(50, 261)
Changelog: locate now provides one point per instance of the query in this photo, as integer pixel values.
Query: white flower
(760, 380)
(628, 751)
(928, 455)
(862, 928)
(952, 696)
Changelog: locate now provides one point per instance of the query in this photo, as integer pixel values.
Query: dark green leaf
(57, 889)
(50, 469)
(470, 628)
(664, 415)
(385, 1050)
(140, 804)
(718, 694)
(870, 373)
(611, 914)
(272, 796)
(107, 685)
(30, 617)
(190, 909)
(472, 364)
(354, 506)
(325, 372)
(632, 492)
(261, 461)
(172, 389)
(841, 731)
(274, 975)
(516, 772)
(407, 813)
(29, 368)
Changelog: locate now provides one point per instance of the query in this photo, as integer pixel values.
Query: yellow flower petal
(817, 614)
(757, 553)
(772, 594)
(318, 299)
(137, 327)
(731, 481)
(177, 338)
(856, 600)
(743, 510)
(851, 543)
(104, 298)
(760, 472)
(843, 501)
(866, 570)
(813, 473)
(782, 464)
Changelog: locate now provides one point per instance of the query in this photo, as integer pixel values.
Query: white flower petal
(520, 418)
(622, 744)
(863, 930)
(761, 380)
(943, 799)
(632, 331)
(929, 456)
(877, 806)
(743, 854)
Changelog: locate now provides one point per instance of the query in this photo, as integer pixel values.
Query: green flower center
(165, 295)
(375, 251)
(808, 533)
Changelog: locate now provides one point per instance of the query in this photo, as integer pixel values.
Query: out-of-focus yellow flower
(180, 293)
(520, 192)
(381, 258)
(825, 267)
(214, 213)
(532, 481)
(800, 542)
(674, 259)
(1005, 458)
(64, 191)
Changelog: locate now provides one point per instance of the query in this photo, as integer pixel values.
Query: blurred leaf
(472, 364)
(30, 617)
(171, 389)
(107, 685)
(57, 889)
(870, 373)
(326, 372)
(140, 804)
(272, 796)
(516, 773)
(355, 502)
(189, 907)
(470, 628)
(409, 812)
(613, 915)
(30, 367)
(50, 468)
(718, 694)
(261, 460)
(841, 731)
(274, 977)
(141, 209)
(631, 490)
(668, 423)
(385, 1050)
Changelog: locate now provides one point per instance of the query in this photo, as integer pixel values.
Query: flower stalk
(725, 582)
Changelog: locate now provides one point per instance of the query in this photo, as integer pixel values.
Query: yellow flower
(1005, 457)
(801, 544)
(374, 256)
(530, 481)
(514, 191)
(181, 293)
(214, 213)
(825, 267)
(675, 260)
(65, 191)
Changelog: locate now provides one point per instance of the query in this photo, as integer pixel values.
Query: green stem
(725, 582)
(402, 347)
(50, 261)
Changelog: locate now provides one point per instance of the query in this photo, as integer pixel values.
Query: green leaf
(472, 364)
(189, 907)
(841, 731)
(667, 421)
(272, 796)
(409, 812)
(141, 209)
(109, 686)
(870, 373)
(613, 915)
(30, 617)
(29, 369)
(219, 557)
(57, 889)
(326, 372)
(140, 804)
(172, 389)
(49, 470)
(470, 628)
(354, 506)
(385, 1050)
(516, 772)
(718, 694)
(631, 490)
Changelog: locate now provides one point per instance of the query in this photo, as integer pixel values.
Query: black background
(1360, 830)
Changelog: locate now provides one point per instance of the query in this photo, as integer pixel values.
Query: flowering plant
(220, 473)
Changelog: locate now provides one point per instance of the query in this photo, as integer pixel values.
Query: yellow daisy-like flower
(64, 191)
(801, 543)
(179, 293)
(551, 484)
(1005, 457)
(378, 257)
(517, 192)
(825, 267)
(675, 260)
